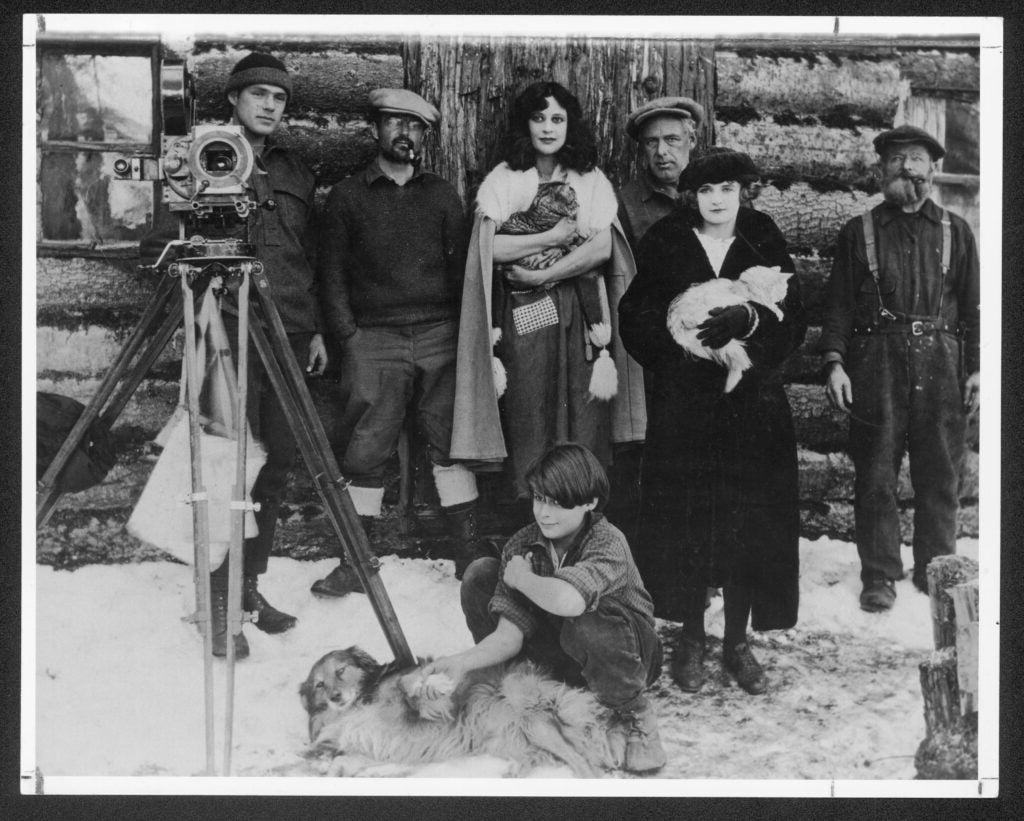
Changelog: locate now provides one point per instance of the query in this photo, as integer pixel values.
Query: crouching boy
(567, 595)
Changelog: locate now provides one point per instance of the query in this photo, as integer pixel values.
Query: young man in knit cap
(900, 344)
(283, 233)
(392, 260)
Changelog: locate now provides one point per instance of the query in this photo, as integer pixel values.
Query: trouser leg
(878, 429)
(268, 417)
(617, 650)
(376, 387)
(477, 589)
(936, 444)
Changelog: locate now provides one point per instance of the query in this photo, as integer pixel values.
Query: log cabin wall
(805, 111)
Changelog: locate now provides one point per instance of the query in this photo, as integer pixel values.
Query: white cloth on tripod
(163, 518)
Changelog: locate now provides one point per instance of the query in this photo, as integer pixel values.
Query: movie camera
(204, 169)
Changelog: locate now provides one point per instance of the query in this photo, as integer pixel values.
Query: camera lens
(218, 159)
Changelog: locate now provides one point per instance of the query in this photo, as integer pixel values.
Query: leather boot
(219, 622)
(268, 618)
(463, 529)
(638, 726)
(740, 661)
(687, 667)
(343, 579)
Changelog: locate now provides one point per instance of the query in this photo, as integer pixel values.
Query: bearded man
(391, 264)
(901, 353)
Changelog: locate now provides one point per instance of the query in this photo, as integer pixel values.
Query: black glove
(724, 324)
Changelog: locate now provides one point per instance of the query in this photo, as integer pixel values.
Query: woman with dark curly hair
(547, 264)
(719, 479)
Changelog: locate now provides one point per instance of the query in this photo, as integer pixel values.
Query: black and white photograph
(511, 405)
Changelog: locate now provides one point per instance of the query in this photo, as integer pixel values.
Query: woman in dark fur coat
(719, 479)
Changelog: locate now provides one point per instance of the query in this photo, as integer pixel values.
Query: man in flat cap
(392, 260)
(901, 353)
(283, 233)
(665, 132)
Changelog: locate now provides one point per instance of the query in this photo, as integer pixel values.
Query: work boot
(687, 667)
(463, 529)
(219, 621)
(740, 661)
(638, 725)
(878, 595)
(343, 579)
(339, 582)
(268, 618)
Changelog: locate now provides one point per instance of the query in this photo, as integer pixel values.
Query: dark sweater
(391, 254)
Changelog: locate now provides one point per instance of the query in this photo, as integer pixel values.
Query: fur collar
(505, 192)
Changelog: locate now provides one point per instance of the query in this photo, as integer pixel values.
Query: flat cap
(682, 107)
(910, 134)
(403, 101)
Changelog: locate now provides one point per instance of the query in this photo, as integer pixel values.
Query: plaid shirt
(598, 564)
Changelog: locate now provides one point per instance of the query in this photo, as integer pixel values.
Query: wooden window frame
(101, 46)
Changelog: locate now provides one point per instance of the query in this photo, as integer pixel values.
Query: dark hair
(720, 165)
(579, 152)
(569, 474)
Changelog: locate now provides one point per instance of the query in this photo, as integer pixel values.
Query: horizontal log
(330, 84)
(91, 350)
(937, 71)
(807, 87)
(817, 425)
(813, 273)
(828, 477)
(332, 153)
(810, 219)
(828, 157)
(81, 282)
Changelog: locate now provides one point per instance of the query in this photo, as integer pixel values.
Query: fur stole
(505, 192)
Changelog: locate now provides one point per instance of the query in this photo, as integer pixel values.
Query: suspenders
(871, 250)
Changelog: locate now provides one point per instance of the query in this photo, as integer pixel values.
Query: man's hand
(316, 363)
(722, 325)
(518, 570)
(972, 392)
(838, 388)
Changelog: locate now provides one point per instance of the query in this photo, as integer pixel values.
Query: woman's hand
(563, 232)
(722, 325)
(524, 277)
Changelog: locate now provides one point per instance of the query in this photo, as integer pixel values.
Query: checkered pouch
(536, 315)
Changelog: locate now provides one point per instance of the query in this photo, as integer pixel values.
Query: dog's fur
(766, 286)
(367, 710)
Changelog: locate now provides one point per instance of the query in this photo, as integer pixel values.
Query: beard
(904, 189)
(394, 154)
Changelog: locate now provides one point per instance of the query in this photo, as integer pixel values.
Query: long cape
(476, 432)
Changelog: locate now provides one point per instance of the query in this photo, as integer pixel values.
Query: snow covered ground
(119, 682)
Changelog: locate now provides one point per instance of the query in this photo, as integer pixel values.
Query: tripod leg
(239, 499)
(289, 384)
(47, 494)
(200, 519)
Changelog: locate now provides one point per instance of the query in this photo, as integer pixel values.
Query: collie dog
(362, 711)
